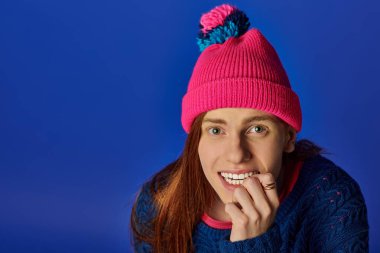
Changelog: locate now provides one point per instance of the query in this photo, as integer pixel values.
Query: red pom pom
(215, 17)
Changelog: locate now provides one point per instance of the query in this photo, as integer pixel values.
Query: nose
(237, 150)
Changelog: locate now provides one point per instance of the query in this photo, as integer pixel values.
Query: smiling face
(238, 142)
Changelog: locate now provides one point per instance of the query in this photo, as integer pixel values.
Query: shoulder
(333, 196)
(335, 204)
(144, 205)
(324, 187)
(142, 215)
(323, 175)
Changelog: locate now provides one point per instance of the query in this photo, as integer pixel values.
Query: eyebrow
(245, 121)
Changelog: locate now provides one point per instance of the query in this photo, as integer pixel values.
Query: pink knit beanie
(237, 68)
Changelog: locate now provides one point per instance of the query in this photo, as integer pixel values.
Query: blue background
(90, 105)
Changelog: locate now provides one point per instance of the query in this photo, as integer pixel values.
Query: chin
(226, 198)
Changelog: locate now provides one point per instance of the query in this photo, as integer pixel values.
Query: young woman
(243, 183)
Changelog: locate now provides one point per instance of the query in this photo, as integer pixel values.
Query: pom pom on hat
(221, 23)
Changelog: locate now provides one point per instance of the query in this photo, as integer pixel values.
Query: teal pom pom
(218, 35)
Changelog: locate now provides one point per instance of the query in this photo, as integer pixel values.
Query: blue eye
(258, 129)
(214, 130)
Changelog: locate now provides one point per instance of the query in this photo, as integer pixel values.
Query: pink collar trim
(216, 223)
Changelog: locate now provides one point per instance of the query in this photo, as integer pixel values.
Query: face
(239, 142)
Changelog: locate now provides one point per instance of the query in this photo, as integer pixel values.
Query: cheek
(208, 157)
(271, 156)
(205, 155)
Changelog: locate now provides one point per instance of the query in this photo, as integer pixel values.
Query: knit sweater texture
(324, 212)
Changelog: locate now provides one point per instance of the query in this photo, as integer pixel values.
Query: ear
(290, 139)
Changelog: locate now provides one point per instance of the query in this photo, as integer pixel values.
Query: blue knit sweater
(325, 212)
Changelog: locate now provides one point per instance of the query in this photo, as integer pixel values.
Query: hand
(259, 205)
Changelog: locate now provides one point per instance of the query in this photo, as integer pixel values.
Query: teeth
(236, 179)
(237, 182)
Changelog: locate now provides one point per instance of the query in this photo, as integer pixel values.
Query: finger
(261, 201)
(238, 218)
(242, 196)
(266, 179)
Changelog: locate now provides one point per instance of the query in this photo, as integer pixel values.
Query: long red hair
(181, 194)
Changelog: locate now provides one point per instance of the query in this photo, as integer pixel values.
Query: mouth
(236, 178)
